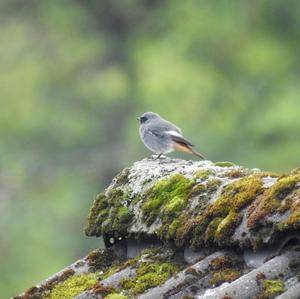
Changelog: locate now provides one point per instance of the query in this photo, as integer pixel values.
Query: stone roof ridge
(197, 203)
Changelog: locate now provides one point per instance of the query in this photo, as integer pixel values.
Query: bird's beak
(138, 118)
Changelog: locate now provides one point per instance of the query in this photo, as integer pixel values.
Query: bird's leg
(157, 158)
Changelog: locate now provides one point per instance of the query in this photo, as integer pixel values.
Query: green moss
(212, 185)
(176, 204)
(94, 218)
(45, 288)
(124, 215)
(236, 195)
(203, 174)
(148, 275)
(293, 220)
(156, 253)
(213, 223)
(168, 199)
(272, 201)
(225, 275)
(184, 230)
(101, 259)
(167, 230)
(117, 266)
(296, 171)
(271, 288)
(196, 234)
(208, 187)
(271, 174)
(224, 164)
(212, 227)
(122, 178)
(112, 270)
(226, 226)
(116, 296)
(219, 220)
(150, 254)
(198, 189)
(110, 213)
(236, 173)
(168, 195)
(72, 286)
(283, 187)
(172, 228)
(102, 290)
(222, 262)
(224, 269)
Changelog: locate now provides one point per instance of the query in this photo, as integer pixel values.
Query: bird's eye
(143, 119)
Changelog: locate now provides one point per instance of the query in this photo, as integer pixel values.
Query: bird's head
(148, 116)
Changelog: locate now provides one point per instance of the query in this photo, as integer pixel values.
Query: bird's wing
(166, 128)
(162, 127)
(177, 137)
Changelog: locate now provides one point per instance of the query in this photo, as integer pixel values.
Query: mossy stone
(271, 288)
(116, 296)
(148, 275)
(224, 164)
(72, 286)
(168, 195)
(272, 201)
(203, 174)
(226, 275)
(220, 218)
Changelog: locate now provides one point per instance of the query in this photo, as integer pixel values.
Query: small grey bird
(162, 137)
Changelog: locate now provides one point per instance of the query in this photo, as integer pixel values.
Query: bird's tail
(187, 149)
(194, 152)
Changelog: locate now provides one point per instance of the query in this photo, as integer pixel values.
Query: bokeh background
(75, 74)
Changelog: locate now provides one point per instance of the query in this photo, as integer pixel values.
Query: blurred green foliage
(75, 74)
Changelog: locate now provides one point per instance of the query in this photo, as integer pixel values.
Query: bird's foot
(159, 157)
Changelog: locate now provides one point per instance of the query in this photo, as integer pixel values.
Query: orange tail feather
(187, 149)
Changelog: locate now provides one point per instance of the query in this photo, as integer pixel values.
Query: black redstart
(162, 137)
